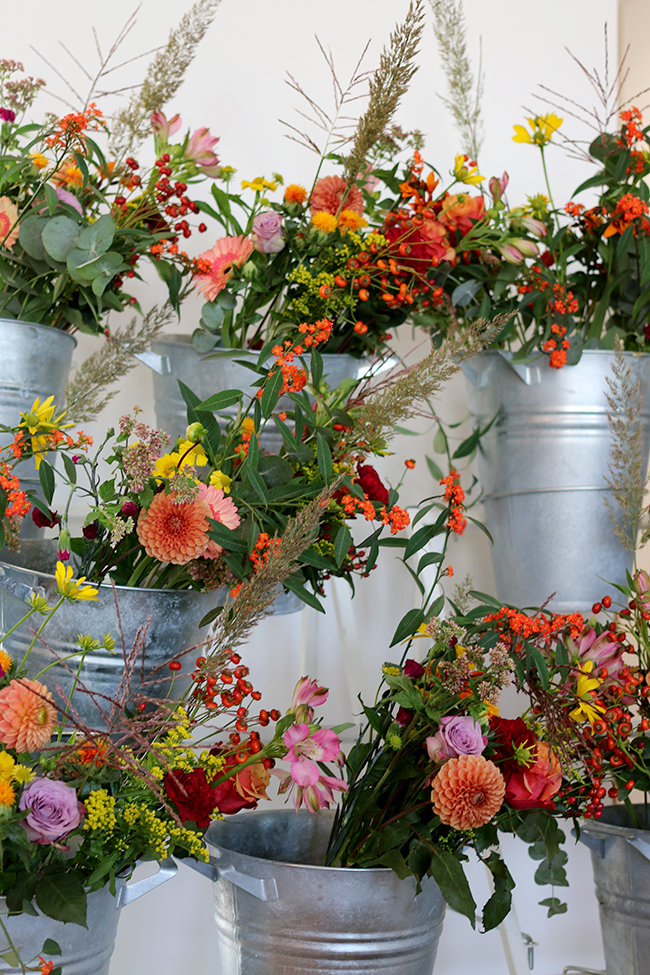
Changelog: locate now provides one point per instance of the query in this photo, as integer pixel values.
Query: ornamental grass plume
(467, 792)
(86, 394)
(173, 532)
(627, 476)
(27, 716)
(388, 83)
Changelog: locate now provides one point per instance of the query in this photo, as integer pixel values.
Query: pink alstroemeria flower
(497, 186)
(200, 149)
(533, 226)
(307, 693)
(313, 797)
(164, 127)
(307, 748)
(642, 586)
(601, 650)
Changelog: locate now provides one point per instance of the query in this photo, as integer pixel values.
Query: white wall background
(236, 87)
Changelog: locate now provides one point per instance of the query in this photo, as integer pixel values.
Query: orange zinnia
(467, 792)
(173, 532)
(27, 718)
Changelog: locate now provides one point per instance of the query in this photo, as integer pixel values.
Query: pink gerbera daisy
(8, 218)
(227, 253)
(222, 509)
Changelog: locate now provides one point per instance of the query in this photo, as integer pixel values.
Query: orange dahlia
(467, 792)
(330, 191)
(173, 532)
(8, 222)
(27, 718)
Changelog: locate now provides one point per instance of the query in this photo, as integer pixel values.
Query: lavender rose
(268, 235)
(456, 736)
(54, 810)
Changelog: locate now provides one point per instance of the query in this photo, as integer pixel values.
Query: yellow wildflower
(166, 466)
(6, 767)
(542, 127)
(324, 221)
(258, 185)
(5, 661)
(391, 671)
(71, 588)
(100, 811)
(192, 453)
(39, 422)
(220, 481)
(466, 171)
(585, 691)
(22, 774)
(248, 423)
(39, 160)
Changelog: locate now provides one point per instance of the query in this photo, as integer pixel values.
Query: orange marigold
(295, 193)
(27, 716)
(175, 533)
(467, 792)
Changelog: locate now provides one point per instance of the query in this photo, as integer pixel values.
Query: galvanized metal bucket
(36, 362)
(84, 951)
(280, 912)
(172, 617)
(542, 467)
(619, 856)
(173, 357)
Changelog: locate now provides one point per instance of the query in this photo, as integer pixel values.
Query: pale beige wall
(634, 32)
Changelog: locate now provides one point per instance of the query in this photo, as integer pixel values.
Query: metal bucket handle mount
(264, 888)
(599, 839)
(131, 892)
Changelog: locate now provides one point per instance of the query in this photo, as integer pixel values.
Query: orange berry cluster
(455, 496)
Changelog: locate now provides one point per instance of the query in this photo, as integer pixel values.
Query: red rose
(371, 485)
(534, 787)
(193, 796)
(510, 735)
(41, 520)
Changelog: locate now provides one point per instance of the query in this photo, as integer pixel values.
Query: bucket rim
(108, 587)
(46, 328)
(285, 813)
(184, 339)
(585, 352)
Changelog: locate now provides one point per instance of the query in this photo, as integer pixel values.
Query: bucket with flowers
(80, 807)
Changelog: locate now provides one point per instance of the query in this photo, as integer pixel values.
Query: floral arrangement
(206, 511)
(589, 284)
(80, 807)
(73, 225)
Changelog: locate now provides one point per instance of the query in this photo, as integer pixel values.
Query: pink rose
(268, 235)
(54, 810)
(459, 735)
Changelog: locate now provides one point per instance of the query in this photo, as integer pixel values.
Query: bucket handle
(131, 892)
(19, 589)
(599, 844)
(159, 363)
(264, 888)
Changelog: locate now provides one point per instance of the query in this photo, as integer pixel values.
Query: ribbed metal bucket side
(84, 951)
(622, 881)
(542, 468)
(325, 919)
(177, 359)
(172, 618)
(36, 362)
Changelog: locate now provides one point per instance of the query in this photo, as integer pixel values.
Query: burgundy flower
(193, 796)
(41, 520)
(404, 716)
(90, 531)
(413, 669)
(371, 484)
(510, 735)
(7, 115)
(129, 509)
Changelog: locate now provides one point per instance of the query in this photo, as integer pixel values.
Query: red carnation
(193, 796)
(509, 735)
(371, 484)
(41, 520)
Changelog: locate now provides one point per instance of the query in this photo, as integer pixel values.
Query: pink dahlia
(27, 715)
(222, 509)
(8, 222)
(329, 193)
(227, 253)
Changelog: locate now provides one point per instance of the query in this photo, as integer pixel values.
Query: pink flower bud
(527, 248)
(497, 186)
(164, 127)
(510, 253)
(533, 226)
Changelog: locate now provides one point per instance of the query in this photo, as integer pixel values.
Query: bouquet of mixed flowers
(206, 511)
(79, 807)
(73, 226)
(590, 283)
